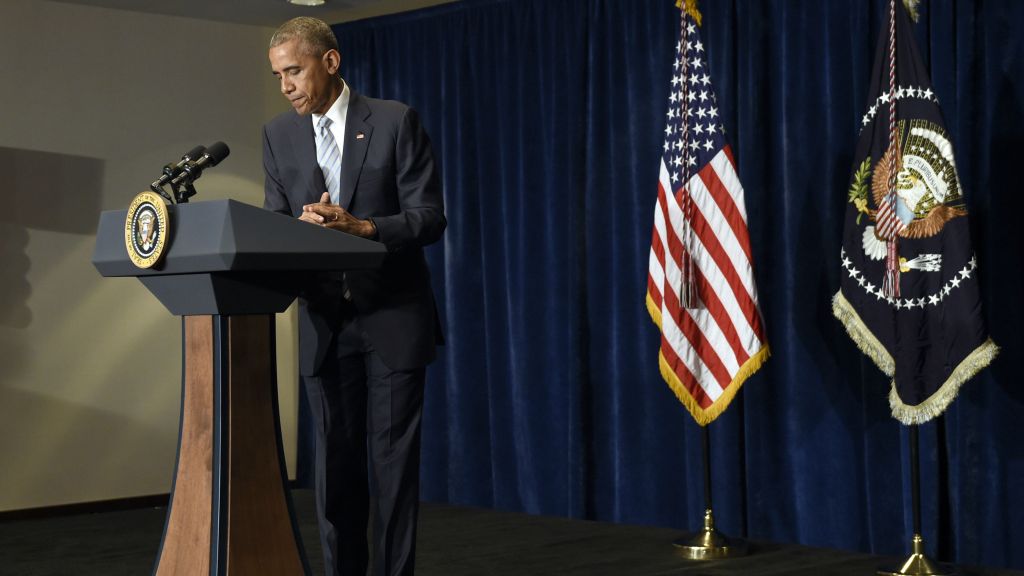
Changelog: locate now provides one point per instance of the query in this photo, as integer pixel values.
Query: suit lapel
(305, 151)
(357, 140)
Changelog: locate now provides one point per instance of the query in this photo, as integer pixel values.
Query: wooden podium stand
(229, 268)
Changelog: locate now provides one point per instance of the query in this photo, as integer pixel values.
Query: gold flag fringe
(653, 310)
(911, 6)
(705, 416)
(937, 403)
(861, 335)
(690, 6)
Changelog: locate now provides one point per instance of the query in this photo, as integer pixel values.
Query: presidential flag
(700, 285)
(908, 293)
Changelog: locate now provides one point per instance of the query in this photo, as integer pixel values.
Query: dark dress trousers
(362, 356)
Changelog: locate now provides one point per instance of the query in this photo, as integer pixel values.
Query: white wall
(93, 102)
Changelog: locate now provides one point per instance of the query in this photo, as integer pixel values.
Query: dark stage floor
(453, 541)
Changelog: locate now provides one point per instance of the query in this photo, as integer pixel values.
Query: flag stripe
(712, 337)
(685, 376)
(721, 318)
(656, 267)
(720, 265)
(656, 262)
(724, 185)
(729, 352)
(718, 326)
(679, 327)
(734, 262)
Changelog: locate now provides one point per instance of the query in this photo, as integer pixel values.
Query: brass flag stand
(709, 543)
(917, 564)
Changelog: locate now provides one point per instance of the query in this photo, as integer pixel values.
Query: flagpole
(917, 564)
(696, 152)
(706, 436)
(709, 543)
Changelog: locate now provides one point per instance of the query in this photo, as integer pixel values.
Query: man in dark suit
(362, 166)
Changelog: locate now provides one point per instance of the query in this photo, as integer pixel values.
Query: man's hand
(332, 216)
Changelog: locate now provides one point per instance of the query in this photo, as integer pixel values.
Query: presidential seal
(146, 228)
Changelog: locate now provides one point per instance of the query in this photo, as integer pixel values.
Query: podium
(229, 267)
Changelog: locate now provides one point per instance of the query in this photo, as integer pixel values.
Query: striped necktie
(329, 158)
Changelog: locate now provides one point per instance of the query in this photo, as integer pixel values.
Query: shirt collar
(338, 110)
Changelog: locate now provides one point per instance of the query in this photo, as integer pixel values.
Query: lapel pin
(360, 135)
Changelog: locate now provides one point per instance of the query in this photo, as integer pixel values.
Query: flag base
(709, 543)
(918, 564)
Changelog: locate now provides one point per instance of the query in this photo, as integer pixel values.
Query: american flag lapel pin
(360, 135)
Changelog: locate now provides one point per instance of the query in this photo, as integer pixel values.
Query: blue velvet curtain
(547, 116)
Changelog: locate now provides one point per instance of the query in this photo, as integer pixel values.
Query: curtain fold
(548, 119)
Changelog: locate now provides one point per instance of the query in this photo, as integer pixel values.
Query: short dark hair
(314, 35)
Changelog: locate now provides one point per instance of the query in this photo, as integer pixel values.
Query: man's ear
(332, 59)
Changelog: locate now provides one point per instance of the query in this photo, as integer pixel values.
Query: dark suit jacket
(388, 174)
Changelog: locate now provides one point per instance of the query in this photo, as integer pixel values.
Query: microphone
(172, 170)
(194, 169)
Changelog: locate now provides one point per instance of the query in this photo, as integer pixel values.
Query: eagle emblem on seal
(928, 191)
(146, 229)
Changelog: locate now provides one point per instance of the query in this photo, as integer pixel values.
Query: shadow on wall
(54, 192)
(40, 191)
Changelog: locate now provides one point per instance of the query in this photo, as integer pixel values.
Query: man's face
(308, 82)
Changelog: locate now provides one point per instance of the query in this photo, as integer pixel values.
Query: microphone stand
(160, 190)
(181, 196)
(180, 192)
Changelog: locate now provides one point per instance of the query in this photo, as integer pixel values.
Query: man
(365, 167)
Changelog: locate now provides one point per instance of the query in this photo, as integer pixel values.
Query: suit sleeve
(274, 197)
(421, 219)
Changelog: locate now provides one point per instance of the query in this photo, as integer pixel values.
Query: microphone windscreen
(217, 152)
(195, 153)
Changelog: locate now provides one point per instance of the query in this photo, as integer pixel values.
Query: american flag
(711, 346)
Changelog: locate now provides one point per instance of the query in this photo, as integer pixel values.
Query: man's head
(304, 57)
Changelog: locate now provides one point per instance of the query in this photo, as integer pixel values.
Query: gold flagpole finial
(690, 6)
(911, 6)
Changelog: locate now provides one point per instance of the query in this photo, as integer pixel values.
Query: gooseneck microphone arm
(171, 171)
